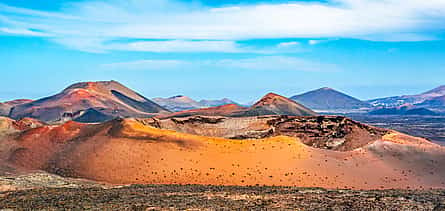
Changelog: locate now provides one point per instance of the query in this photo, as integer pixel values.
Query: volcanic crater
(326, 132)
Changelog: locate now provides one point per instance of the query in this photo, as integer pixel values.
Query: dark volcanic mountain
(109, 98)
(271, 104)
(5, 107)
(177, 103)
(411, 99)
(329, 99)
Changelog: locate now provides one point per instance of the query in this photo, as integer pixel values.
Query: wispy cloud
(146, 65)
(192, 27)
(288, 44)
(24, 32)
(178, 46)
(99, 45)
(272, 63)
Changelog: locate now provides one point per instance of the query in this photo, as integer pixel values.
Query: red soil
(127, 151)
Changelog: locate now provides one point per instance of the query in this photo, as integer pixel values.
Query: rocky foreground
(197, 197)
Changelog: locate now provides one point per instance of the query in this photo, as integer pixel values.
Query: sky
(210, 49)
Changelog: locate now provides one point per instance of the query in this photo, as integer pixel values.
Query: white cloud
(273, 63)
(226, 9)
(92, 21)
(25, 32)
(314, 42)
(179, 46)
(101, 45)
(288, 44)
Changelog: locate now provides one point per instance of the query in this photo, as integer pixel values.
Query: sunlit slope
(127, 151)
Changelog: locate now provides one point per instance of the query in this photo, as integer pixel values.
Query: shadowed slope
(5, 108)
(131, 151)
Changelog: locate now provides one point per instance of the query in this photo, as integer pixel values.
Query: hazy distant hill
(329, 99)
(436, 103)
(410, 99)
(213, 103)
(177, 103)
(109, 98)
(182, 103)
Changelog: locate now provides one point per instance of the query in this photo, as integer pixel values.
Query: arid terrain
(197, 197)
(329, 152)
(272, 154)
(430, 127)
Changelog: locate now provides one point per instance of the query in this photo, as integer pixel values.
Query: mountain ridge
(111, 97)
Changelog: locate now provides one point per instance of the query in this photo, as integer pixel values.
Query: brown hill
(133, 151)
(273, 104)
(8, 126)
(5, 107)
(270, 104)
(110, 98)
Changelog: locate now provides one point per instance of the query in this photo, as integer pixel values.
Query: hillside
(5, 107)
(329, 99)
(110, 98)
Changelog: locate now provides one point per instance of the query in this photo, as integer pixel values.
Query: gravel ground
(196, 197)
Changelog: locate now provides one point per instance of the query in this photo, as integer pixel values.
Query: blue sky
(225, 48)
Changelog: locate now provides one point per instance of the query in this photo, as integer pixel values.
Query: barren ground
(197, 197)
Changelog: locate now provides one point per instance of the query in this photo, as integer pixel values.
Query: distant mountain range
(410, 99)
(181, 103)
(432, 102)
(105, 100)
(213, 103)
(270, 104)
(329, 99)
(326, 99)
(177, 103)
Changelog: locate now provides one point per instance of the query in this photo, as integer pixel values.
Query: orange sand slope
(128, 151)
